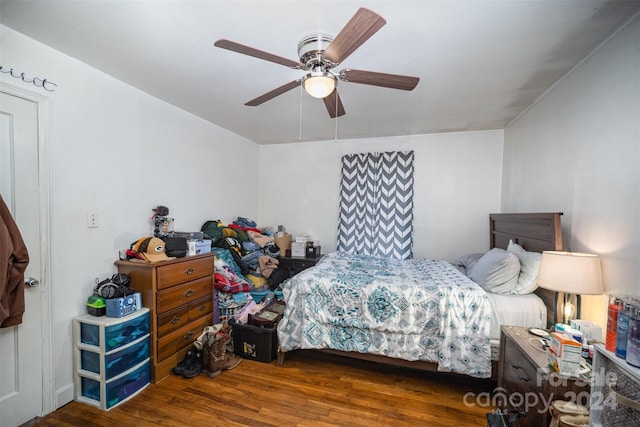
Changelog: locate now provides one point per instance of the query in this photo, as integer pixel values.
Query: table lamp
(571, 273)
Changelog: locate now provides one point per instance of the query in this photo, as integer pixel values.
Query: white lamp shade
(570, 272)
(319, 85)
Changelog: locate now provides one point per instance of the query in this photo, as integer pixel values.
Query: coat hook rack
(37, 82)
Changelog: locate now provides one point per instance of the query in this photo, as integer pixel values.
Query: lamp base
(567, 308)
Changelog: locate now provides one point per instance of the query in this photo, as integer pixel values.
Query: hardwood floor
(310, 389)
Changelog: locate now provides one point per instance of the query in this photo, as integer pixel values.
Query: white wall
(457, 182)
(120, 152)
(578, 151)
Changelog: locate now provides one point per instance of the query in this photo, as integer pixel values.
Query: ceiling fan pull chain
(300, 123)
(335, 135)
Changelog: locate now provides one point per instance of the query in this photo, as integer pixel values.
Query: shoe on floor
(193, 367)
(231, 361)
(213, 354)
(209, 351)
(182, 365)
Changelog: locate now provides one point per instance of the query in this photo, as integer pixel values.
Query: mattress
(516, 310)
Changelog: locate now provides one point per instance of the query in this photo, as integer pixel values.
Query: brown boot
(213, 351)
(223, 359)
(231, 361)
(226, 330)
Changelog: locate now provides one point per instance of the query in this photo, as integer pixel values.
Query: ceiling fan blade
(246, 50)
(334, 104)
(393, 81)
(272, 94)
(358, 30)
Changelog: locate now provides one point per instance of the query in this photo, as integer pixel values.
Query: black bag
(176, 246)
(499, 418)
(278, 276)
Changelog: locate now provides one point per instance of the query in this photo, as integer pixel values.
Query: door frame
(46, 347)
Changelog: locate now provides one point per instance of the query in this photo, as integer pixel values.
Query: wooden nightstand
(296, 264)
(528, 383)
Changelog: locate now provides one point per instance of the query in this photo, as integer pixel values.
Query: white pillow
(496, 271)
(466, 262)
(529, 266)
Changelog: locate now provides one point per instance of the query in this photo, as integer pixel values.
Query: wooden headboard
(535, 232)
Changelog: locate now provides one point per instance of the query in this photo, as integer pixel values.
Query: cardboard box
(564, 354)
(565, 346)
(562, 366)
(299, 249)
(119, 307)
(591, 331)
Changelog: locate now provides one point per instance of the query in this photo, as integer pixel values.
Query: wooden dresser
(179, 294)
(527, 380)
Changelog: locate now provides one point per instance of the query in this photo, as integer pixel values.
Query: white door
(25, 348)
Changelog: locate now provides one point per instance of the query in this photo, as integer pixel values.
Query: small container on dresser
(615, 391)
(179, 294)
(111, 358)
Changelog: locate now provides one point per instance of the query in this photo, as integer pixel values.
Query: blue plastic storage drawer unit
(111, 358)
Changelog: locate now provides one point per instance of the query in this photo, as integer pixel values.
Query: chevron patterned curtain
(376, 204)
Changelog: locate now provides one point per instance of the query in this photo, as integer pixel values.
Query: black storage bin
(254, 342)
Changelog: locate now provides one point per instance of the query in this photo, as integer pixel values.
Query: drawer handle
(521, 376)
(188, 335)
(189, 271)
(189, 293)
(175, 320)
(203, 307)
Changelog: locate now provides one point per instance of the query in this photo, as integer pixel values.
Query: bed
(433, 318)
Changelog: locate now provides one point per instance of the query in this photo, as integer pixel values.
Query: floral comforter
(414, 309)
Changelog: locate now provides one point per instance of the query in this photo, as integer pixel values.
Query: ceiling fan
(319, 54)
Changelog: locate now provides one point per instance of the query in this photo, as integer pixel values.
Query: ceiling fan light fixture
(319, 84)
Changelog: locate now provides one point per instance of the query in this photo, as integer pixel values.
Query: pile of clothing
(246, 262)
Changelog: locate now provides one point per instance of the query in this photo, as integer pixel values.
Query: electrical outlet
(92, 219)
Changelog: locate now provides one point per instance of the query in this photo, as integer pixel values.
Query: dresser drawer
(181, 316)
(201, 308)
(173, 274)
(172, 320)
(184, 294)
(181, 338)
(519, 374)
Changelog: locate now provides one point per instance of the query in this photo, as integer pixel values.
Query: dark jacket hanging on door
(13, 262)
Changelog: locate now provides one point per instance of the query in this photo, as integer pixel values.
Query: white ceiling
(481, 63)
